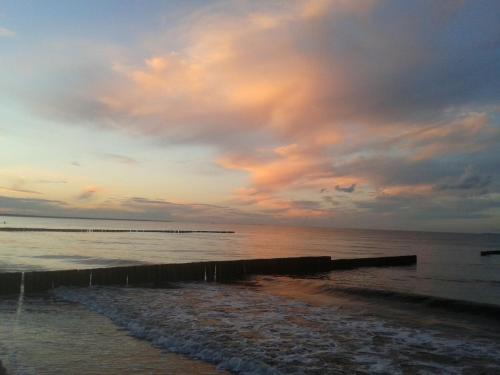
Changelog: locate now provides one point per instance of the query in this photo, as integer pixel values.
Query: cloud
(5, 33)
(18, 185)
(280, 209)
(411, 207)
(88, 193)
(388, 98)
(160, 208)
(284, 166)
(19, 190)
(139, 208)
(13, 181)
(467, 181)
(307, 204)
(329, 199)
(51, 181)
(345, 189)
(30, 206)
(118, 158)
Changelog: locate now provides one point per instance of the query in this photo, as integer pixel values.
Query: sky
(336, 113)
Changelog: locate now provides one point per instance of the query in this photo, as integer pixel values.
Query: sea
(440, 316)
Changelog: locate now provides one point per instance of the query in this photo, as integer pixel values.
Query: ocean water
(364, 321)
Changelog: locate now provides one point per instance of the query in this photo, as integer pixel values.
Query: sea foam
(249, 331)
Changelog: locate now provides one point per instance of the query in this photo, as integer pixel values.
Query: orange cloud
(469, 133)
(281, 208)
(310, 96)
(408, 190)
(234, 77)
(285, 167)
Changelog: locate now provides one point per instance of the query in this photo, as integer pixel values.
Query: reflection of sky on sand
(42, 335)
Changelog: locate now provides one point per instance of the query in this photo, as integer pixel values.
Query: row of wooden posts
(98, 230)
(162, 274)
(490, 252)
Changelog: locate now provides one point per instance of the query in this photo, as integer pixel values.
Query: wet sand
(44, 336)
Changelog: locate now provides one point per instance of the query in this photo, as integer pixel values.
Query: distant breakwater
(161, 274)
(490, 252)
(100, 230)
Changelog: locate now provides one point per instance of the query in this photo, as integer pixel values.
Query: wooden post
(10, 283)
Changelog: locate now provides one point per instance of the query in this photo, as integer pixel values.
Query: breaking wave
(250, 331)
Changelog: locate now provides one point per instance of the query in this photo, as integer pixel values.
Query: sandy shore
(80, 341)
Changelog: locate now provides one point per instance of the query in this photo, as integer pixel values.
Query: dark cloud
(445, 173)
(88, 193)
(329, 199)
(31, 206)
(467, 181)
(345, 189)
(416, 208)
(306, 204)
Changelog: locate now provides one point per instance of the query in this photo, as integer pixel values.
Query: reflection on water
(449, 265)
(261, 330)
(281, 326)
(43, 335)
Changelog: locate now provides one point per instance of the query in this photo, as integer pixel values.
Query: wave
(490, 310)
(249, 331)
(319, 288)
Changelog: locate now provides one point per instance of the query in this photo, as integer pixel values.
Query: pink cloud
(270, 77)
(306, 96)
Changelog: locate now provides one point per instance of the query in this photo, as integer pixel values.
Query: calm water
(274, 326)
(449, 265)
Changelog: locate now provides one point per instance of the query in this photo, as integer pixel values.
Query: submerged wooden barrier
(3, 371)
(98, 230)
(346, 264)
(162, 274)
(490, 252)
(10, 282)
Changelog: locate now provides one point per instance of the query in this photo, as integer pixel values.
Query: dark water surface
(341, 323)
(449, 265)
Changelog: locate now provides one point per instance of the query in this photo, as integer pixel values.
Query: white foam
(250, 332)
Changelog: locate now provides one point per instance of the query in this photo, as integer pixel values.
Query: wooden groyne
(97, 230)
(10, 283)
(3, 371)
(162, 274)
(490, 252)
(346, 264)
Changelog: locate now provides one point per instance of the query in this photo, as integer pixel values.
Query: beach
(436, 317)
(280, 187)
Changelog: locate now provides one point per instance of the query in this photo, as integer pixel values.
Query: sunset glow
(287, 112)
